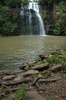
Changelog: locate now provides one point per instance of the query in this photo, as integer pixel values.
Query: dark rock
(43, 56)
(24, 66)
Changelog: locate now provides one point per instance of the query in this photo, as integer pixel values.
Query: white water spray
(34, 6)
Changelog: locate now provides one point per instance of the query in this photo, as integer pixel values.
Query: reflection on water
(16, 50)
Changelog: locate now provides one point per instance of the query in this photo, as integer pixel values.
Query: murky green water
(16, 50)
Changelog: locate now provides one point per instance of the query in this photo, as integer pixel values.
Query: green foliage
(20, 95)
(8, 23)
(48, 3)
(54, 59)
(9, 29)
(25, 1)
(38, 63)
(60, 25)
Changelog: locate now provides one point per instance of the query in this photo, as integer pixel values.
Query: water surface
(18, 49)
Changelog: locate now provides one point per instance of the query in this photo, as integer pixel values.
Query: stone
(56, 67)
(17, 79)
(43, 56)
(30, 72)
(41, 67)
(31, 63)
(10, 77)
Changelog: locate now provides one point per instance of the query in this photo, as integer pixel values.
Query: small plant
(20, 95)
(54, 59)
(47, 74)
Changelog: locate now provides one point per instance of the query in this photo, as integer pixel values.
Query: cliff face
(55, 18)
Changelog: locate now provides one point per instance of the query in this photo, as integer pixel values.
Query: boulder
(41, 67)
(56, 67)
(43, 56)
(30, 72)
(31, 63)
(7, 78)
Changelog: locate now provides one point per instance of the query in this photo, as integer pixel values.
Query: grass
(54, 59)
(20, 95)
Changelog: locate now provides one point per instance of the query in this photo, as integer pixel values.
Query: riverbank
(45, 77)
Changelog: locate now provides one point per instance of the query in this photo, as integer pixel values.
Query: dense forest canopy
(9, 19)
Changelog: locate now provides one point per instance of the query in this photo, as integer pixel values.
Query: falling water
(34, 6)
(31, 20)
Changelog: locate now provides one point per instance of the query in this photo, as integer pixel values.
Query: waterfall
(31, 20)
(34, 6)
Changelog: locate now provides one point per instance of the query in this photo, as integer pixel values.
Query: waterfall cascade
(34, 19)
